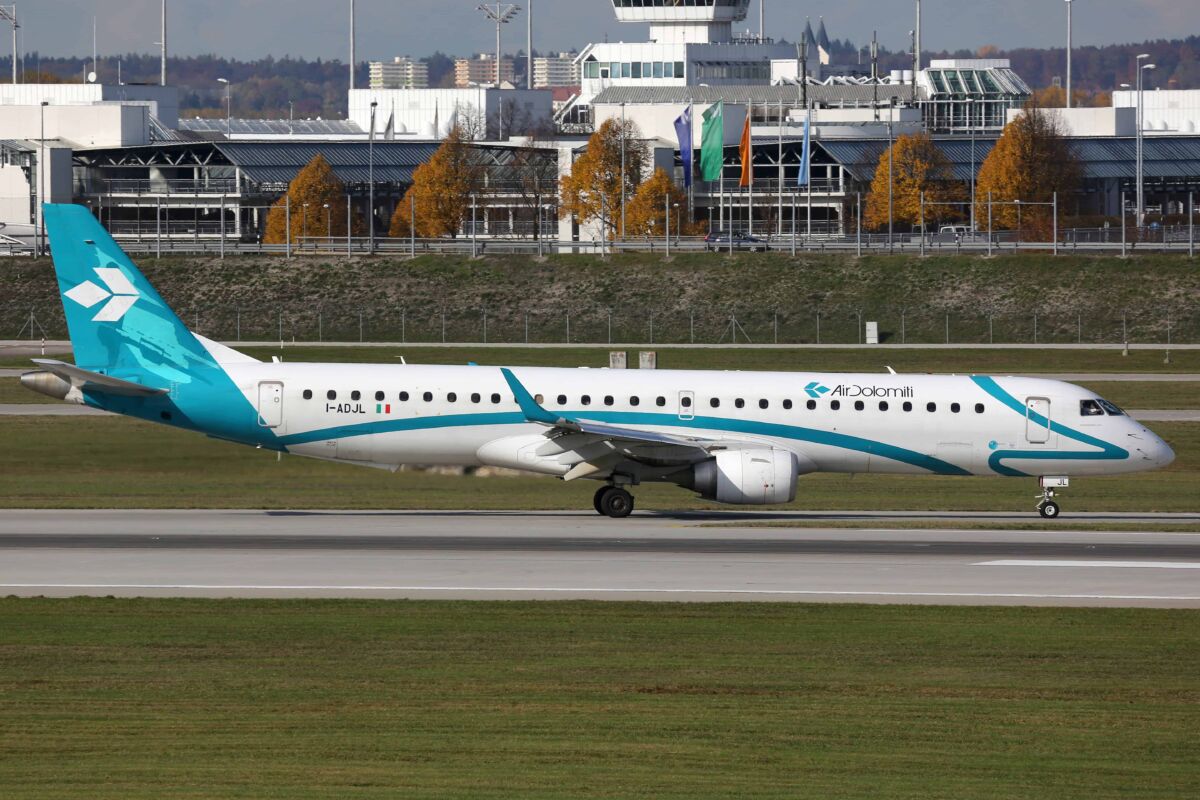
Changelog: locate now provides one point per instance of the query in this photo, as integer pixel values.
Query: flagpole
(750, 167)
(781, 166)
(810, 182)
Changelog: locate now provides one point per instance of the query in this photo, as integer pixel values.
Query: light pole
(1141, 192)
(41, 167)
(677, 224)
(971, 125)
(328, 222)
(1069, 32)
(891, 174)
(371, 181)
(303, 223)
(228, 107)
(622, 170)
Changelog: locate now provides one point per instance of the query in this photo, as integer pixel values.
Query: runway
(567, 555)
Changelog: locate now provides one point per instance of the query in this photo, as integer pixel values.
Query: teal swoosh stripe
(1108, 451)
(841, 440)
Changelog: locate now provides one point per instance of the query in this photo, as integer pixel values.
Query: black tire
(616, 503)
(1049, 509)
(598, 498)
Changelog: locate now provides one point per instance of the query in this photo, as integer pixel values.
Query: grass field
(107, 698)
(115, 462)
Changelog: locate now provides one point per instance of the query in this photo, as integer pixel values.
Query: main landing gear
(613, 501)
(1046, 505)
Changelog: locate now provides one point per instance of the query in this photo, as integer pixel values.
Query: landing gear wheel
(615, 502)
(598, 498)
(1048, 509)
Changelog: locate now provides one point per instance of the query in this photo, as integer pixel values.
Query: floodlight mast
(501, 14)
(9, 14)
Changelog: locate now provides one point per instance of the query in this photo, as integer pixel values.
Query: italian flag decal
(383, 408)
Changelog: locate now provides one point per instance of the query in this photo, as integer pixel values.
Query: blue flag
(805, 155)
(683, 130)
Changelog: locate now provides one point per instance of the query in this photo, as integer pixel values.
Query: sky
(248, 29)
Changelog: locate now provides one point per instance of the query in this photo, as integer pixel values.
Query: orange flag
(747, 154)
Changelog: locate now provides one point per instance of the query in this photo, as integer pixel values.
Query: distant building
(399, 73)
(1164, 111)
(552, 71)
(482, 69)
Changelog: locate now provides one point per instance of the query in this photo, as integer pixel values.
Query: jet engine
(753, 476)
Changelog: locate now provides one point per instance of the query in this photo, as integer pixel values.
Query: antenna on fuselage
(890, 370)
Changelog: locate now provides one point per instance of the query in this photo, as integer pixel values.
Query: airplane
(738, 438)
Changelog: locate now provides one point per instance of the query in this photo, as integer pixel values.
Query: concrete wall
(161, 101)
(1165, 111)
(1092, 121)
(657, 120)
(416, 109)
(101, 125)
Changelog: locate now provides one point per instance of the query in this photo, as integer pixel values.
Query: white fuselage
(388, 415)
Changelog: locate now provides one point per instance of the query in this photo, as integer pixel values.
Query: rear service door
(1037, 419)
(687, 405)
(270, 404)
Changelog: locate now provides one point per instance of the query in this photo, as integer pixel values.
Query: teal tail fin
(116, 319)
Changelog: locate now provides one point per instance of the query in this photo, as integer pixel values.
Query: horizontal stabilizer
(96, 382)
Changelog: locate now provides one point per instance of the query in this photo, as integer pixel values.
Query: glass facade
(634, 70)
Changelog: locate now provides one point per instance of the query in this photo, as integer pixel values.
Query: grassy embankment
(121, 463)
(1072, 296)
(192, 698)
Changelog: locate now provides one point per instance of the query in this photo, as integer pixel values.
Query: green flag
(712, 143)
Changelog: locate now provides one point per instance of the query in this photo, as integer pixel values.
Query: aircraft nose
(1159, 451)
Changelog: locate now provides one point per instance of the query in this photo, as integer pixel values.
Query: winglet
(529, 407)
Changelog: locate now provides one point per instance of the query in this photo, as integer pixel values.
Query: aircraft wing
(647, 446)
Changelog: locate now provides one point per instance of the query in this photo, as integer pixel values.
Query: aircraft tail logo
(120, 294)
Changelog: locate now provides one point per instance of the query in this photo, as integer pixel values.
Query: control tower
(684, 21)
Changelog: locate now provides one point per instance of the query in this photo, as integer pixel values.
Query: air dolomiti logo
(816, 389)
(120, 294)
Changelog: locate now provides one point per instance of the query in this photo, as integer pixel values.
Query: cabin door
(270, 404)
(1037, 420)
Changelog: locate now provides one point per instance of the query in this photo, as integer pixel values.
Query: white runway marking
(583, 590)
(1095, 564)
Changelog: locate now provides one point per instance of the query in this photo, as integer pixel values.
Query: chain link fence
(810, 325)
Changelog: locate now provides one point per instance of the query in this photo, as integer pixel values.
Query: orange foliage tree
(918, 166)
(441, 189)
(1031, 161)
(593, 189)
(325, 213)
(645, 214)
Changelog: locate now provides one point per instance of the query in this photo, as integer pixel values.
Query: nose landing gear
(1046, 506)
(613, 501)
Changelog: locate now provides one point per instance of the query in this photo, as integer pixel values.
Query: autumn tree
(593, 189)
(318, 206)
(646, 213)
(1031, 161)
(442, 189)
(917, 166)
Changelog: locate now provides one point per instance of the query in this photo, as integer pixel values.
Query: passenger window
(404, 397)
(811, 405)
(883, 405)
(475, 398)
(787, 404)
(379, 395)
(931, 407)
(714, 402)
(452, 397)
(633, 401)
(955, 408)
(907, 406)
(562, 399)
(427, 397)
(686, 402)
(835, 404)
(660, 401)
(763, 404)
(356, 395)
(740, 403)
(1090, 408)
(586, 400)
(608, 399)
(537, 398)
(308, 394)
(979, 408)
(495, 399)
(331, 394)
(858, 405)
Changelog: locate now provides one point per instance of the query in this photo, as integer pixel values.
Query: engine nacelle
(755, 477)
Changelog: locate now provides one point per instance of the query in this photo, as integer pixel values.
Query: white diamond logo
(121, 294)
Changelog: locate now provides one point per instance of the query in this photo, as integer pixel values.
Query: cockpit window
(1112, 410)
(1090, 408)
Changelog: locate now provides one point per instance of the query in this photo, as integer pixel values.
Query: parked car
(720, 240)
